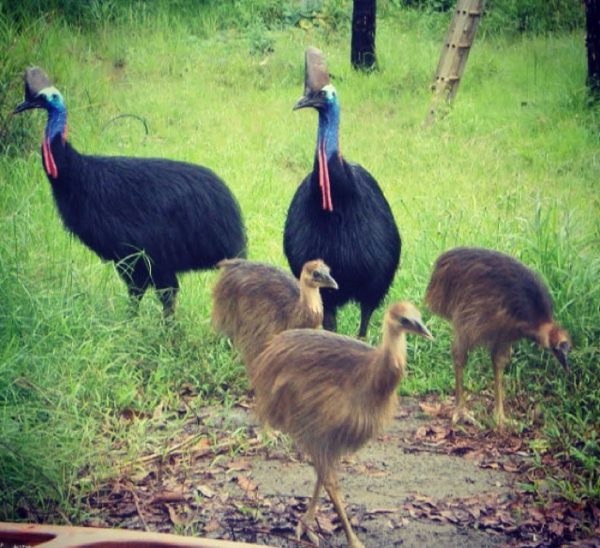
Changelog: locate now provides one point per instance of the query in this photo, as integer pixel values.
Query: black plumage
(340, 214)
(153, 217)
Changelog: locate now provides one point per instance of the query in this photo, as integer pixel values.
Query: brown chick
(492, 300)
(254, 301)
(332, 393)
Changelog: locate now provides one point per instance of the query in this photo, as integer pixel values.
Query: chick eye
(316, 275)
(405, 322)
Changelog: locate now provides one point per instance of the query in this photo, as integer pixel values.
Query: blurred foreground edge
(33, 534)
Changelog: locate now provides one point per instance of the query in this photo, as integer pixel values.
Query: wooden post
(455, 52)
(364, 16)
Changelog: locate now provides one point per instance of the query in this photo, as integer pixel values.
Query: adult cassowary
(339, 213)
(152, 217)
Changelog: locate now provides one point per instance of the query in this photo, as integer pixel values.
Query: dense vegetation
(513, 166)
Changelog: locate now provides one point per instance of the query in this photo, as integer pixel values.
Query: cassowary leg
(331, 486)
(329, 319)
(137, 279)
(460, 355)
(167, 286)
(500, 357)
(306, 522)
(366, 311)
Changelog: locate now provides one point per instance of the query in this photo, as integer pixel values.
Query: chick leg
(332, 488)
(460, 355)
(306, 522)
(500, 357)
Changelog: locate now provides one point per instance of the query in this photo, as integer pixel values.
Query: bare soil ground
(422, 483)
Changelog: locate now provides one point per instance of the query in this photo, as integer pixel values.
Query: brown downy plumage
(492, 300)
(254, 301)
(332, 393)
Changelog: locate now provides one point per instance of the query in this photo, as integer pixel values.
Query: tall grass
(514, 166)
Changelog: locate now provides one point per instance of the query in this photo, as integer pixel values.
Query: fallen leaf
(431, 409)
(432, 432)
(240, 465)
(201, 447)
(174, 516)
(167, 496)
(509, 467)
(212, 526)
(382, 511)
(246, 484)
(206, 491)
(325, 525)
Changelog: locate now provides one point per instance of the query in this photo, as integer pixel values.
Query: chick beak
(562, 355)
(328, 280)
(420, 329)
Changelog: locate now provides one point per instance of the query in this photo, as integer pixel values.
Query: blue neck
(329, 124)
(57, 121)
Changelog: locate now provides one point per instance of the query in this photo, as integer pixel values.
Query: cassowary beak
(562, 355)
(309, 101)
(28, 104)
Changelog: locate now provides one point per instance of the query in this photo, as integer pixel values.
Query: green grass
(514, 166)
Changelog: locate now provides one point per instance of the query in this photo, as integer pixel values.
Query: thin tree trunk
(363, 34)
(592, 13)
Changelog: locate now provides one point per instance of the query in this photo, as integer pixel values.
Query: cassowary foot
(463, 415)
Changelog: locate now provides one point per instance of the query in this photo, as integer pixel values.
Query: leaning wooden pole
(455, 53)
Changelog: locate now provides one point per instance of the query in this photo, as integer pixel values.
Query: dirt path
(383, 478)
(421, 484)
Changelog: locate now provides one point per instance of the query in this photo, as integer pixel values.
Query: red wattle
(49, 163)
(327, 204)
(321, 178)
(327, 186)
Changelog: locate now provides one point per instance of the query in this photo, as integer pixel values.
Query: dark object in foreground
(492, 300)
(340, 214)
(332, 393)
(152, 217)
(254, 301)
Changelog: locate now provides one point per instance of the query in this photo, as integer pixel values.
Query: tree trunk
(592, 13)
(363, 34)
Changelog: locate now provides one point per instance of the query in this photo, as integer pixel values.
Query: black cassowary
(339, 213)
(152, 217)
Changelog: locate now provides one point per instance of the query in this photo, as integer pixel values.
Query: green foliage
(514, 166)
(512, 16)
